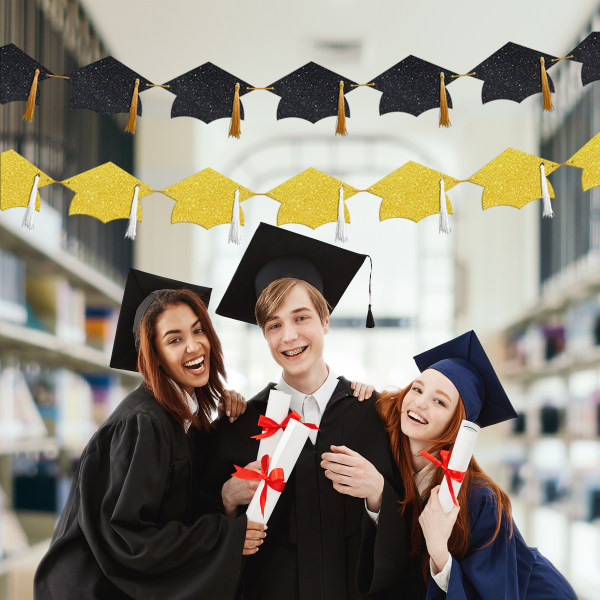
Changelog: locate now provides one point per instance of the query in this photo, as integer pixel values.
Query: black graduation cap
(412, 86)
(311, 93)
(206, 93)
(107, 87)
(17, 72)
(137, 298)
(274, 253)
(464, 361)
(512, 73)
(588, 53)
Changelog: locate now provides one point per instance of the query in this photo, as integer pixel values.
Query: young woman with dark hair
(475, 551)
(137, 523)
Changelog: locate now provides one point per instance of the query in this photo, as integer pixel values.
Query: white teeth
(294, 352)
(416, 417)
(193, 363)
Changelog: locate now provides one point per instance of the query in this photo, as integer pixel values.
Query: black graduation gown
(133, 525)
(314, 533)
(507, 569)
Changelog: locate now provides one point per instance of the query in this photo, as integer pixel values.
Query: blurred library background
(529, 286)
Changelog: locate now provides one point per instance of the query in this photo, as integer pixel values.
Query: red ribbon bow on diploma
(449, 473)
(275, 479)
(271, 427)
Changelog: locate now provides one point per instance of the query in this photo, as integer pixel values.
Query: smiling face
(295, 334)
(428, 407)
(182, 347)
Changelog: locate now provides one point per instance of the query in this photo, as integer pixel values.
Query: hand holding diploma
(437, 526)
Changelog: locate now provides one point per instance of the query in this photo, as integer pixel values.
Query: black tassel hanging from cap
(370, 320)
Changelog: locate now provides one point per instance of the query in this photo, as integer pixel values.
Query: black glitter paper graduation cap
(312, 92)
(206, 93)
(588, 53)
(513, 73)
(412, 86)
(137, 298)
(464, 361)
(274, 253)
(17, 73)
(108, 87)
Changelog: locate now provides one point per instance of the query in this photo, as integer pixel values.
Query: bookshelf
(552, 368)
(35, 348)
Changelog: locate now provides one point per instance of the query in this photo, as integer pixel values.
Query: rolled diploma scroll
(459, 461)
(278, 407)
(285, 456)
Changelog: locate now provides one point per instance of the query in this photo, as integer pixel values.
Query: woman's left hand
(233, 403)
(437, 527)
(353, 475)
(362, 391)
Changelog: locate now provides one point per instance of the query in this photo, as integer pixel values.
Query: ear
(326, 324)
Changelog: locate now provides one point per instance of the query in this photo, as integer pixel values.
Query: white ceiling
(259, 40)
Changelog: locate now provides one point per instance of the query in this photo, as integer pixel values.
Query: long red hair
(156, 379)
(389, 405)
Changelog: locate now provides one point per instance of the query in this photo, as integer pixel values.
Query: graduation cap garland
(311, 92)
(311, 198)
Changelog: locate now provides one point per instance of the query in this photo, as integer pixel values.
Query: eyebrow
(296, 310)
(436, 391)
(179, 330)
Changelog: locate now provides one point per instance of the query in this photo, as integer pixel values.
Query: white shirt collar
(322, 395)
(191, 402)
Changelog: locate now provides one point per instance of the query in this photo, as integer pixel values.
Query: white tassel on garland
(547, 211)
(131, 227)
(340, 230)
(28, 217)
(235, 236)
(444, 224)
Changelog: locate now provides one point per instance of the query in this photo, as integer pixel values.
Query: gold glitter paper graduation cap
(312, 92)
(514, 178)
(106, 192)
(588, 53)
(412, 192)
(207, 93)
(108, 87)
(20, 181)
(514, 73)
(588, 159)
(311, 198)
(137, 298)
(207, 199)
(19, 77)
(413, 86)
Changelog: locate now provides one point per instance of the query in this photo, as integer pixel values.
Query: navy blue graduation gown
(507, 569)
(312, 545)
(134, 523)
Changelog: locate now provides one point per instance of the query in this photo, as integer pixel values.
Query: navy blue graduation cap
(139, 294)
(206, 93)
(412, 86)
(274, 253)
(17, 73)
(588, 53)
(464, 362)
(514, 73)
(311, 92)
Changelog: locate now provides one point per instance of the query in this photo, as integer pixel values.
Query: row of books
(12, 288)
(575, 492)
(576, 417)
(573, 333)
(51, 303)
